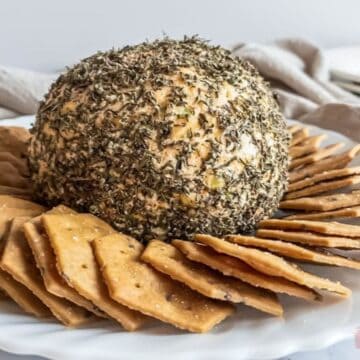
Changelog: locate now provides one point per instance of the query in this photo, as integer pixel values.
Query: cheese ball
(162, 140)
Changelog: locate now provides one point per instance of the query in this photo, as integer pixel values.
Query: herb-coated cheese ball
(162, 140)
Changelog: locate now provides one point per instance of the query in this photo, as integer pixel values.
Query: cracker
(70, 236)
(135, 284)
(293, 128)
(329, 163)
(299, 136)
(14, 139)
(351, 212)
(46, 262)
(328, 228)
(20, 164)
(11, 207)
(315, 156)
(272, 265)
(294, 251)
(323, 203)
(310, 239)
(7, 201)
(323, 187)
(307, 147)
(3, 295)
(234, 267)
(17, 260)
(324, 176)
(169, 260)
(15, 192)
(10, 176)
(26, 300)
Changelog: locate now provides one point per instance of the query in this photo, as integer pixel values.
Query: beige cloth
(296, 69)
(21, 91)
(298, 72)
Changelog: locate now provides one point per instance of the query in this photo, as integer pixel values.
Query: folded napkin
(21, 91)
(296, 69)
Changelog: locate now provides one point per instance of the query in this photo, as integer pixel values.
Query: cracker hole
(137, 285)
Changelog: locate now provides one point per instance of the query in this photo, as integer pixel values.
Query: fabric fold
(297, 70)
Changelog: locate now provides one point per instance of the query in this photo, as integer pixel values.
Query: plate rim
(290, 346)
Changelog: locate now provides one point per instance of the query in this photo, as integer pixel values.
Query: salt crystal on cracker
(167, 259)
(46, 261)
(137, 285)
(235, 267)
(70, 236)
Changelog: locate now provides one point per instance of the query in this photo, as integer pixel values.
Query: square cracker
(46, 262)
(21, 193)
(329, 163)
(299, 136)
(315, 156)
(272, 264)
(3, 294)
(324, 176)
(10, 176)
(329, 228)
(235, 267)
(18, 261)
(322, 203)
(133, 283)
(323, 187)
(14, 139)
(8, 201)
(18, 163)
(294, 251)
(351, 212)
(11, 207)
(26, 300)
(293, 128)
(309, 239)
(307, 147)
(70, 236)
(169, 260)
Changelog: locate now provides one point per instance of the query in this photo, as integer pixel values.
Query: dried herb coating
(162, 140)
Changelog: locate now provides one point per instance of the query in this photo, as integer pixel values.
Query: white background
(46, 35)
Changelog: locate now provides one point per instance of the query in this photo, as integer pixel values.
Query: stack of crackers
(74, 267)
(321, 185)
(14, 178)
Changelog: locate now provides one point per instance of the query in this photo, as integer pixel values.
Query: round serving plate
(247, 335)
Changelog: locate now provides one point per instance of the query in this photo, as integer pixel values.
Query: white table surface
(346, 350)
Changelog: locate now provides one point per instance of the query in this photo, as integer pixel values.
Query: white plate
(248, 335)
